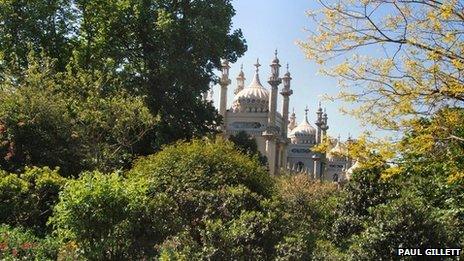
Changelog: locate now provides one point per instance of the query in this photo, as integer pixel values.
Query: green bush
(180, 192)
(21, 244)
(28, 199)
(202, 165)
(94, 212)
(404, 222)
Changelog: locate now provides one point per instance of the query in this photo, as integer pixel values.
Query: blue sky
(271, 24)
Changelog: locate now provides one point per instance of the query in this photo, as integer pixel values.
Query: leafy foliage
(188, 187)
(246, 144)
(405, 222)
(27, 199)
(75, 120)
(21, 244)
(165, 51)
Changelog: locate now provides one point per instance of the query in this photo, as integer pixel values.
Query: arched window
(335, 177)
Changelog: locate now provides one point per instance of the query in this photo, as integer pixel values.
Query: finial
(320, 104)
(275, 53)
(257, 65)
(339, 137)
(241, 67)
(287, 67)
(293, 110)
(306, 113)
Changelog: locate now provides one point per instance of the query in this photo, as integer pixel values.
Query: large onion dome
(304, 133)
(254, 98)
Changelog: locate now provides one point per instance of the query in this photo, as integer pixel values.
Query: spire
(350, 139)
(275, 65)
(276, 60)
(240, 81)
(292, 122)
(324, 117)
(257, 65)
(306, 114)
(256, 83)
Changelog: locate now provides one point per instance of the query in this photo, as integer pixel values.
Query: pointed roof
(256, 83)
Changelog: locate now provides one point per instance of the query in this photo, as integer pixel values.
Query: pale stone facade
(286, 144)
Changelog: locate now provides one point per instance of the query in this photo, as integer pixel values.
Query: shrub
(192, 192)
(27, 199)
(404, 222)
(21, 244)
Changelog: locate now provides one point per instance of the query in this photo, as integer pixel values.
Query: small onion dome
(303, 133)
(337, 152)
(350, 171)
(254, 98)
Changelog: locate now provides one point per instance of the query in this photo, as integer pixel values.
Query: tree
(308, 210)
(405, 222)
(246, 144)
(76, 120)
(163, 50)
(419, 70)
(35, 26)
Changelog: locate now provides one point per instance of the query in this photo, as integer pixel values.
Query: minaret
(324, 126)
(224, 82)
(292, 122)
(272, 131)
(240, 81)
(319, 123)
(274, 81)
(286, 92)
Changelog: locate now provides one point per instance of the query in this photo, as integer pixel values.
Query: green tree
(308, 210)
(76, 120)
(108, 218)
(247, 144)
(163, 50)
(405, 222)
(28, 199)
(35, 25)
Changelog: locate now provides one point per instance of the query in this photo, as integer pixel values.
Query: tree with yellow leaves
(403, 59)
(400, 63)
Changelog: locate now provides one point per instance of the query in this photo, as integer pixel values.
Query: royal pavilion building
(287, 145)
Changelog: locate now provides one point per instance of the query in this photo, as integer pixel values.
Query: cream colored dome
(254, 98)
(337, 152)
(303, 133)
